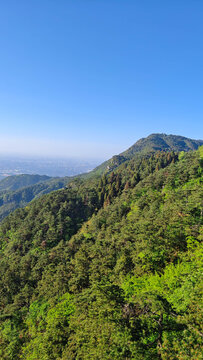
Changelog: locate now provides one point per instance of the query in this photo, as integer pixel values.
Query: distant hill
(162, 142)
(152, 143)
(16, 182)
(13, 199)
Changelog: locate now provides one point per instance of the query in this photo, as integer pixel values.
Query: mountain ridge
(15, 196)
(15, 182)
(162, 141)
(151, 143)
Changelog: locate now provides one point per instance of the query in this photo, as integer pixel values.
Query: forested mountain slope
(108, 268)
(18, 191)
(157, 142)
(150, 144)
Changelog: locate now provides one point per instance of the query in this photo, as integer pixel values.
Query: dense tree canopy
(108, 268)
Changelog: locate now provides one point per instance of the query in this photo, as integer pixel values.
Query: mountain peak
(153, 142)
(162, 142)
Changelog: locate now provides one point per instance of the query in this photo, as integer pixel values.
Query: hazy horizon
(19, 148)
(49, 148)
(45, 166)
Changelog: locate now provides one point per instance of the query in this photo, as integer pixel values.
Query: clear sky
(90, 77)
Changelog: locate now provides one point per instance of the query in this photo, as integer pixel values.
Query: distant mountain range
(17, 191)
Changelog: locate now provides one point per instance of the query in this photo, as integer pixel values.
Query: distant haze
(31, 147)
(51, 166)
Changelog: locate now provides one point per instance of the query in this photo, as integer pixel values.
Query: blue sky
(88, 78)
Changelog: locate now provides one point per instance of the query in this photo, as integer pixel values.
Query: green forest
(17, 191)
(108, 267)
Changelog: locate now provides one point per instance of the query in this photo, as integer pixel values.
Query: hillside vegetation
(16, 182)
(17, 191)
(150, 144)
(109, 267)
(13, 199)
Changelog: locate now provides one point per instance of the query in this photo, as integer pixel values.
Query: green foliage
(19, 181)
(165, 301)
(200, 150)
(18, 191)
(10, 339)
(109, 267)
(48, 329)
